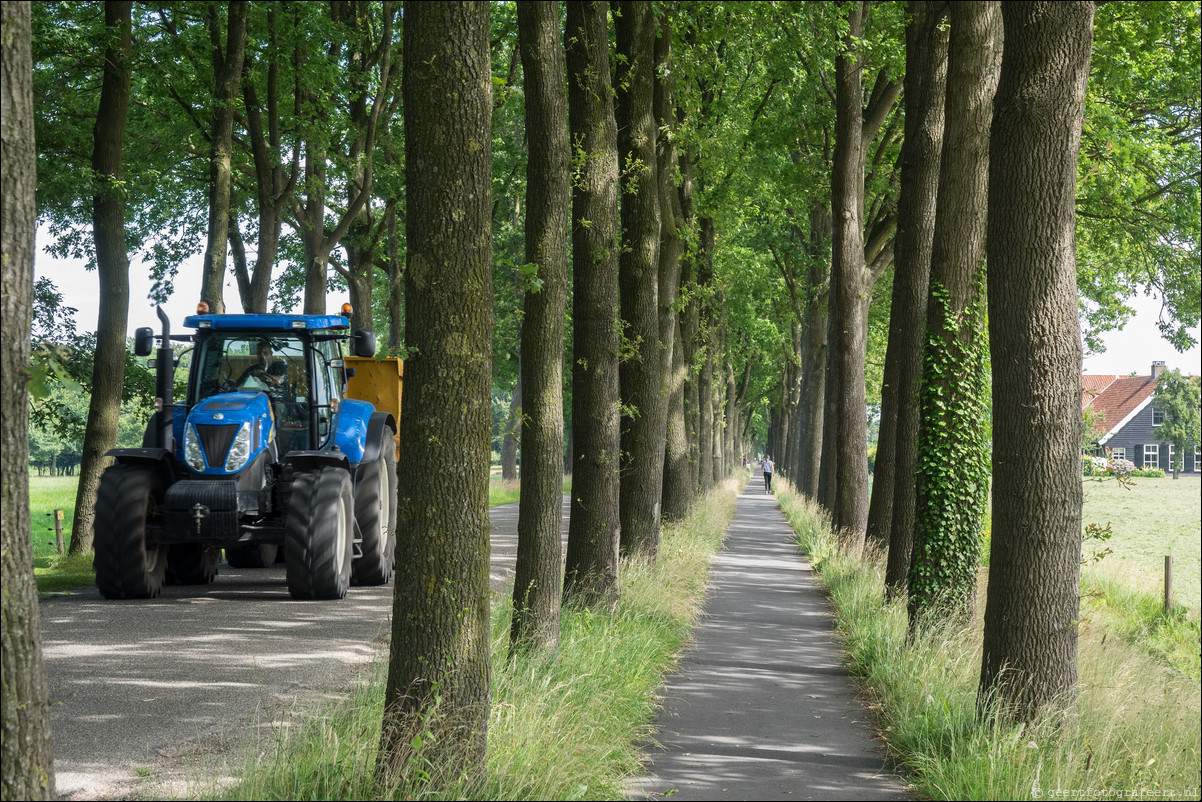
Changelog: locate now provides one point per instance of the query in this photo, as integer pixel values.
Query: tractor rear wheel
(375, 511)
(192, 564)
(319, 534)
(128, 499)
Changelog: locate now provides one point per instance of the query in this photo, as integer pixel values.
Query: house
(1129, 420)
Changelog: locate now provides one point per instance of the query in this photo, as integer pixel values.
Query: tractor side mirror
(363, 343)
(144, 341)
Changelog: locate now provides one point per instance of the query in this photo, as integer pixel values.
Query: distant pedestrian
(768, 468)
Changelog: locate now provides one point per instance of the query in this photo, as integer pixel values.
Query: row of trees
(750, 191)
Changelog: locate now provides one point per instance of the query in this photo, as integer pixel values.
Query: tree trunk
(273, 188)
(638, 281)
(28, 754)
(845, 379)
(813, 360)
(926, 79)
(675, 485)
(1030, 641)
(538, 577)
(112, 265)
(440, 622)
(953, 450)
(591, 570)
(227, 70)
(513, 430)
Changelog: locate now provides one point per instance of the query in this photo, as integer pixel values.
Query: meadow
(1148, 520)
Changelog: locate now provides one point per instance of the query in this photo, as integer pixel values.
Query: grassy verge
(562, 726)
(1136, 732)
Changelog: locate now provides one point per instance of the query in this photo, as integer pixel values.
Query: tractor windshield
(272, 364)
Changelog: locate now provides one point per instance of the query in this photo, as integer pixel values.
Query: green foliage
(1138, 208)
(953, 459)
(1180, 399)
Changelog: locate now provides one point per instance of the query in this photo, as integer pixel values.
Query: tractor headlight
(192, 453)
(239, 451)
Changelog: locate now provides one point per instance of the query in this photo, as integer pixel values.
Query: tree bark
(892, 523)
(513, 430)
(953, 452)
(591, 569)
(813, 360)
(675, 485)
(638, 282)
(440, 620)
(846, 430)
(1030, 643)
(227, 70)
(538, 577)
(28, 754)
(112, 265)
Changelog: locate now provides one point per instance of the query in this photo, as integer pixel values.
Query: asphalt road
(145, 693)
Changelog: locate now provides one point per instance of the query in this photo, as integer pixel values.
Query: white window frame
(1151, 448)
(1157, 413)
(1170, 470)
(1197, 460)
(1118, 453)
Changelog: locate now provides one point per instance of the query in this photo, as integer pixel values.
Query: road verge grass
(567, 725)
(1135, 732)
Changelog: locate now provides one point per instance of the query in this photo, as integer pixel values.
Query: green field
(1154, 518)
(45, 495)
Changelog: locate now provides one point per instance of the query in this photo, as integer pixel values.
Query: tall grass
(566, 725)
(1135, 732)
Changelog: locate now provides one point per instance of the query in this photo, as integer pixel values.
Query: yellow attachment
(379, 384)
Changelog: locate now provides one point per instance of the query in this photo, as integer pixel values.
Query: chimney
(1157, 369)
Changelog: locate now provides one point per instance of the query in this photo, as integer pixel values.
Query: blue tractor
(265, 456)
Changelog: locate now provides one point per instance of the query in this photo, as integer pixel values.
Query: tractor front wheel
(319, 534)
(129, 498)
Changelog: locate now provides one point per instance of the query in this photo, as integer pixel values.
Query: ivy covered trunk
(591, 569)
(953, 439)
(538, 577)
(1031, 615)
(926, 79)
(440, 657)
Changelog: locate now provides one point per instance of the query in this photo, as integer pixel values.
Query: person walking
(768, 468)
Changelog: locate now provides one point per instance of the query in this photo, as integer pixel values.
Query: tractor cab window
(271, 364)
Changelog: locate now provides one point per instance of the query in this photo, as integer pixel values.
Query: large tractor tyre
(129, 497)
(319, 534)
(192, 564)
(252, 555)
(375, 510)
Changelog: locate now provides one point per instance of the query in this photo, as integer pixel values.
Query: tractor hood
(224, 433)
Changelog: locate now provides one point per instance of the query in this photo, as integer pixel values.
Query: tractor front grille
(215, 439)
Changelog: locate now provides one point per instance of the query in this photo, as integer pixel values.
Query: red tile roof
(1121, 397)
(1092, 385)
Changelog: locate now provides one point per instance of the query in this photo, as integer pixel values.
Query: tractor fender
(378, 427)
(159, 458)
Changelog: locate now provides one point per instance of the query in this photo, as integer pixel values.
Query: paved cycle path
(761, 706)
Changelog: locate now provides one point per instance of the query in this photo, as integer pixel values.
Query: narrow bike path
(761, 706)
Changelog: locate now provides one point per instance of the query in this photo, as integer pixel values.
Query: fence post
(58, 530)
(1168, 583)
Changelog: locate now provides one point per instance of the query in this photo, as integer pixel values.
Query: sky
(1131, 350)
